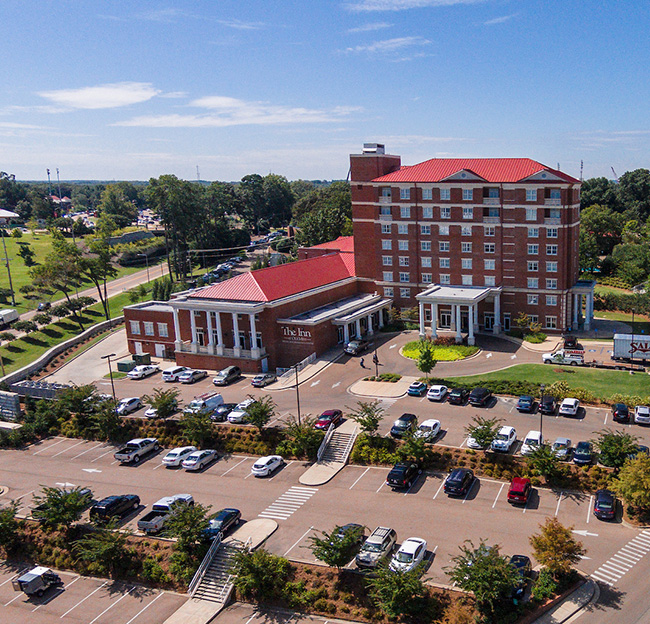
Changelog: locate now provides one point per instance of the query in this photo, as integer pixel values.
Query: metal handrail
(350, 443)
(325, 442)
(205, 564)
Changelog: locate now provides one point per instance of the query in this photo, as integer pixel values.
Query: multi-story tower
(473, 241)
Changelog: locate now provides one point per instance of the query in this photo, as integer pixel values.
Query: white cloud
(174, 94)
(166, 16)
(239, 25)
(369, 27)
(19, 126)
(227, 111)
(366, 6)
(103, 96)
(388, 46)
(500, 20)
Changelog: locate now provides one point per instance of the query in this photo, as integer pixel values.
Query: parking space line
(88, 450)
(381, 486)
(497, 496)
(295, 544)
(559, 500)
(20, 595)
(591, 501)
(84, 599)
(470, 489)
(251, 618)
(102, 455)
(159, 465)
(60, 590)
(67, 449)
(9, 580)
(145, 608)
(50, 446)
(438, 490)
(359, 478)
(277, 472)
(112, 605)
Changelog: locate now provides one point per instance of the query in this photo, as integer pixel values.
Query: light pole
(11, 287)
(146, 257)
(295, 367)
(375, 361)
(110, 373)
(541, 415)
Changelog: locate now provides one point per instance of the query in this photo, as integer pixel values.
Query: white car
(266, 466)
(176, 456)
(428, 430)
(532, 441)
(142, 371)
(562, 448)
(409, 555)
(240, 413)
(642, 415)
(569, 407)
(126, 406)
(173, 373)
(199, 459)
(437, 393)
(473, 444)
(504, 440)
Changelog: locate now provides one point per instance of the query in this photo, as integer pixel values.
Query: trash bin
(142, 358)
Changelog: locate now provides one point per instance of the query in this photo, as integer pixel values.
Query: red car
(519, 491)
(328, 417)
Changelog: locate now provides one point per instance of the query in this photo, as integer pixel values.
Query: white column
(575, 312)
(235, 331)
(217, 318)
(497, 315)
(459, 336)
(452, 325)
(475, 317)
(177, 330)
(255, 352)
(209, 330)
(194, 345)
(422, 327)
(346, 334)
(434, 320)
(589, 314)
(358, 327)
(381, 318)
(470, 325)
(369, 321)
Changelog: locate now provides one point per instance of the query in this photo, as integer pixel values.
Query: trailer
(631, 347)
(7, 317)
(37, 581)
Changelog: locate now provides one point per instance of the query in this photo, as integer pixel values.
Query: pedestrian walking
(375, 360)
(362, 364)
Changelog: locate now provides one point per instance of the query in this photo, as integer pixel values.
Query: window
(385, 228)
(425, 245)
(404, 293)
(533, 282)
(387, 260)
(385, 211)
(427, 193)
(427, 212)
(490, 280)
(533, 250)
(531, 214)
(404, 277)
(386, 192)
(551, 250)
(405, 193)
(162, 330)
(468, 195)
(405, 212)
(488, 247)
(493, 193)
(444, 263)
(551, 284)
(466, 263)
(555, 194)
(427, 278)
(468, 212)
(388, 291)
(445, 279)
(533, 265)
(489, 230)
(402, 228)
(466, 280)
(531, 195)
(554, 213)
(551, 232)
(135, 327)
(466, 230)
(534, 318)
(445, 212)
(445, 193)
(533, 232)
(443, 246)
(387, 244)
(551, 300)
(404, 261)
(533, 299)
(403, 245)
(551, 322)
(551, 267)
(443, 230)
(466, 247)
(426, 261)
(388, 276)
(425, 230)
(489, 265)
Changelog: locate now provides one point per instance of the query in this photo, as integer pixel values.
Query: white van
(172, 374)
(207, 402)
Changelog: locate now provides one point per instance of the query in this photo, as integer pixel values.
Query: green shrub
(152, 571)
(535, 338)
(545, 586)
(441, 353)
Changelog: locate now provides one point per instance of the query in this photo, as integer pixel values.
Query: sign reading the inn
(295, 334)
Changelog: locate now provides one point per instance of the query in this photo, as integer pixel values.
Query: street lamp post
(541, 415)
(146, 257)
(297, 393)
(375, 360)
(110, 373)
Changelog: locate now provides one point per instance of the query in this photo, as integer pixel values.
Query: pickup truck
(574, 357)
(135, 449)
(154, 521)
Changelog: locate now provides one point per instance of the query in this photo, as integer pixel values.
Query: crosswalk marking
(288, 503)
(624, 560)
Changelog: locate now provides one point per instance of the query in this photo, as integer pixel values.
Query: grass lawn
(441, 353)
(602, 290)
(603, 383)
(641, 323)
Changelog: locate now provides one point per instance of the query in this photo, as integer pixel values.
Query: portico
(583, 291)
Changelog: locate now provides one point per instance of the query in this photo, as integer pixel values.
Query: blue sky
(130, 90)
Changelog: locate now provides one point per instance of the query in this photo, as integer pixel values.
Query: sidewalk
(309, 371)
(382, 389)
(574, 602)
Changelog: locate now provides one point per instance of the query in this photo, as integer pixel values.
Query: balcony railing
(385, 217)
(552, 221)
(491, 219)
(385, 199)
(247, 354)
(491, 201)
(552, 202)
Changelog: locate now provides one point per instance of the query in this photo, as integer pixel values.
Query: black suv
(547, 404)
(220, 413)
(620, 412)
(405, 423)
(479, 397)
(114, 507)
(402, 475)
(459, 482)
(458, 396)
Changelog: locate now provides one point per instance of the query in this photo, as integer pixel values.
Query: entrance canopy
(455, 295)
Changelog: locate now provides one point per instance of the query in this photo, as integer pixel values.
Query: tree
(556, 548)
(483, 430)
(600, 191)
(9, 526)
(106, 547)
(186, 524)
(26, 253)
(614, 447)
(426, 362)
(32, 226)
(115, 205)
(60, 507)
(633, 482)
(604, 224)
(197, 427)
(542, 461)
(80, 402)
(486, 573)
(278, 199)
(99, 269)
(634, 191)
(43, 318)
(105, 422)
(301, 440)
(259, 574)
(165, 402)
(25, 326)
(368, 415)
(414, 449)
(252, 201)
(398, 593)
(336, 548)
(261, 412)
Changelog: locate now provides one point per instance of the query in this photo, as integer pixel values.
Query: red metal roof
(281, 281)
(493, 170)
(342, 243)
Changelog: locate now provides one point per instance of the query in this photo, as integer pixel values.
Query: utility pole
(11, 286)
(58, 182)
(297, 394)
(146, 257)
(49, 184)
(110, 372)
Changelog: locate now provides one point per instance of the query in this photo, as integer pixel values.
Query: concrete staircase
(338, 448)
(216, 583)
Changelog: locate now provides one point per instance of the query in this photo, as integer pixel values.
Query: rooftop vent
(373, 148)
